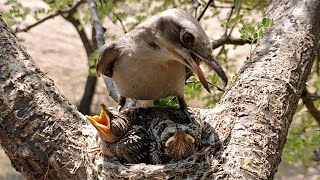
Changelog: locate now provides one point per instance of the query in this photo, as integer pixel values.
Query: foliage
(253, 33)
(304, 135)
(303, 138)
(16, 13)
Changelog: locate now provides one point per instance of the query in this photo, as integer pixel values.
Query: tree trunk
(45, 137)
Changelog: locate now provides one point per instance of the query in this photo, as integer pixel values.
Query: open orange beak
(103, 125)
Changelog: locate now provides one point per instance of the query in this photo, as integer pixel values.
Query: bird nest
(144, 150)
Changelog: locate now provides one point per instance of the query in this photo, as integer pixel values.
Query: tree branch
(228, 19)
(59, 12)
(307, 101)
(205, 9)
(121, 23)
(113, 92)
(228, 40)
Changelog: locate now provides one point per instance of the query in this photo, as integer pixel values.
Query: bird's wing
(109, 53)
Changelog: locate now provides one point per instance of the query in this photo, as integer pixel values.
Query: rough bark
(45, 137)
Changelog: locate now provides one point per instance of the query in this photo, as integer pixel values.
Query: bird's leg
(121, 103)
(183, 106)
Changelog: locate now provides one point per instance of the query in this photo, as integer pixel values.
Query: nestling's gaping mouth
(103, 125)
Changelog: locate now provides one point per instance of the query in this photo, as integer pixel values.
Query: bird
(151, 61)
(119, 138)
(171, 141)
(156, 142)
(108, 129)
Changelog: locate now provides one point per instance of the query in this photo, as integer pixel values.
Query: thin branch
(228, 40)
(113, 92)
(119, 19)
(307, 101)
(229, 17)
(205, 9)
(218, 88)
(59, 12)
(222, 7)
(318, 58)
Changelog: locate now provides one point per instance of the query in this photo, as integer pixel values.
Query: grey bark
(46, 137)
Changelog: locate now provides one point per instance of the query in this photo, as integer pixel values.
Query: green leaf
(260, 26)
(169, 101)
(255, 36)
(251, 29)
(266, 22)
(244, 27)
(261, 33)
(244, 36)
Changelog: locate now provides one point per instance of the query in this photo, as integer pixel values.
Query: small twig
(229, 40)
(196, 5)
(222, 7)
(229, 17)
(119, 19)
(113, 92)
(59, 12)
(229, 7)
(219, 89)
(318, 58)
(307, 101)
(205, 9)
(233, 26)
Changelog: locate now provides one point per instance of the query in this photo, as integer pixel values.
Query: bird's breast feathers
(145, 79)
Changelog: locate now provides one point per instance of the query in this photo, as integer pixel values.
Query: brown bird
(150, 62)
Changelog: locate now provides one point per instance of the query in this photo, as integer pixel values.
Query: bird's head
(110, 126)
(181, 36)
(178, 140)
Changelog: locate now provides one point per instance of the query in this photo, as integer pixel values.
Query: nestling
(173, 141)
(156, 142)
(150, 62)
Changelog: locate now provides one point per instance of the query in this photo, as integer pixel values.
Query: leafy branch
(59, 12)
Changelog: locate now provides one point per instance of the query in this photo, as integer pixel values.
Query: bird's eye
(187, 39)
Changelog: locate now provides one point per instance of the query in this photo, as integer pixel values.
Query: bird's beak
(190, 61)
(103, 124)
(213, 64)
